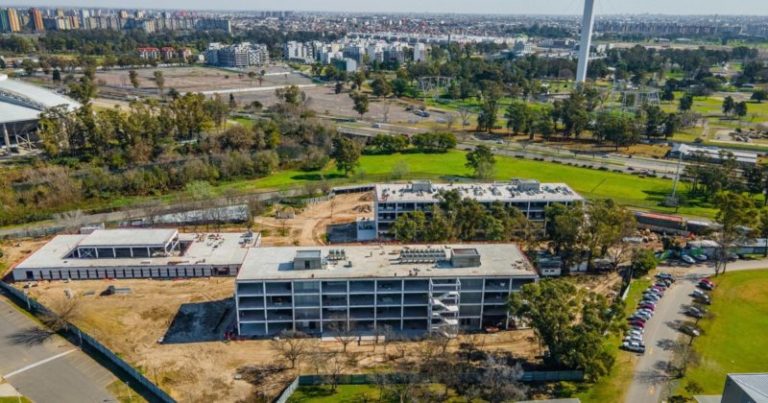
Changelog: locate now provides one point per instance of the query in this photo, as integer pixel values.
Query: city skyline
(554, 7)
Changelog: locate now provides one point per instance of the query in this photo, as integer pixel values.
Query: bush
(564, 389)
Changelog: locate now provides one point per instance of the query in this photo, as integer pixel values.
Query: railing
(149, 390)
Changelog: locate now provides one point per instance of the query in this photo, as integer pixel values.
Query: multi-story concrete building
(136, 253)
(529, 196)
(36, 20)
(368, 289)
(239, 56)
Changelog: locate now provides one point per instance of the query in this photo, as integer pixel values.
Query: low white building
(137, 253)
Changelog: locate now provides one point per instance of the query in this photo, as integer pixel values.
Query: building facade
(370, 289)
(530, 197)
(136, 253)
(238, 56)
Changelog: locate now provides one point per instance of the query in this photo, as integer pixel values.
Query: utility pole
(587, 24)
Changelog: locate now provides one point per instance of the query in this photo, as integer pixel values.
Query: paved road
(651, 378)
(47, 369)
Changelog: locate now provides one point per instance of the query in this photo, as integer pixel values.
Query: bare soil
(132, 324)
(308, 226)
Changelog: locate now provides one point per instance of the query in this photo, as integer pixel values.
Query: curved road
(651, 377)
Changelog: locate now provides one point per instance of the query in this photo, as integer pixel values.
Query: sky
(740, 7)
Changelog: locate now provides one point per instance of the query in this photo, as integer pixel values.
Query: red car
(650, 307)
(708, 281)
(637, 323)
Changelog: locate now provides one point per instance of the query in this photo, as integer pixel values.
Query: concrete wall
(21, 274)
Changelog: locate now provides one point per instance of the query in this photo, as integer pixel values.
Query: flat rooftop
(482, 192)
(108, 238)
(204, 249)
(383, 261)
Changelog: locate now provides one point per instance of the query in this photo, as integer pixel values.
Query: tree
(570, 323)
(410, 227)
(390, 144)
(686, 103)
(159, 81)
(360, 103)
(291, 346)
(762, 228)
(482, 161)
(643, 261)
(381, 87)
(759, 95)
(518, 117)
(489, 111)
(346, 152)
(465, 113)
(232, 102)
(728, 105)
(291, 95)
(83, 90)
(133, 76)
(740, 109)
(434, 142)
(56, 75)
(735, 210)
(342, 333)
(668, 95)
(338, 88)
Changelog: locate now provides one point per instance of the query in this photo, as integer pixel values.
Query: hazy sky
(743, 7)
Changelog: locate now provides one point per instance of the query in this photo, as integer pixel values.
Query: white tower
(586, 40)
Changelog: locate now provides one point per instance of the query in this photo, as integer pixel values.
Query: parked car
(641, 315)
(633, 347)
(687, 259)
(661, 285)
(705, 286)
(635, 332)
(699, 294)
(694, 312)
(647, 305)
(701, 257)
(708, 281)
(704, 300)
(637, 323)
(690, 330)
(633, 339)
(651, 298)
(665, 276)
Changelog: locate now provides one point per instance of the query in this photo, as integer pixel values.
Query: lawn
(734, 339)
(344, 393)
(613, 387)
(629, 190)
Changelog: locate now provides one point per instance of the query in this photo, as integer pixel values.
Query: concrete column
(587, 24)
(6, 138)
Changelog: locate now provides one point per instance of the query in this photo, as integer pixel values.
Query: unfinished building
(367, 289)
(136, 253)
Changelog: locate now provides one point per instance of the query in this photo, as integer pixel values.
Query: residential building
(529, 196)
(367, 289)
(299, 52)
(148, 53)
(5, 23)
(13, 20)
(36, 20)
(136, 253)
(238, 56)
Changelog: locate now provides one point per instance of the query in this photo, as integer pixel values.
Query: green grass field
(344, 393)
(734, 340)
(613, 387)
(629, 190)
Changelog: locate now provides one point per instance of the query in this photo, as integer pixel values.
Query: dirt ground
(16, 251)
(131, 324)
(198, 78)
(308, 227)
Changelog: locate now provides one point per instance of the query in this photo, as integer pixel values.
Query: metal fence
(90, 345)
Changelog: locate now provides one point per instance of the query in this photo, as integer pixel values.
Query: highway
(651, 377)
(47, 369)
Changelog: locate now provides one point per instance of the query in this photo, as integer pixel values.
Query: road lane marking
(39, 363)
